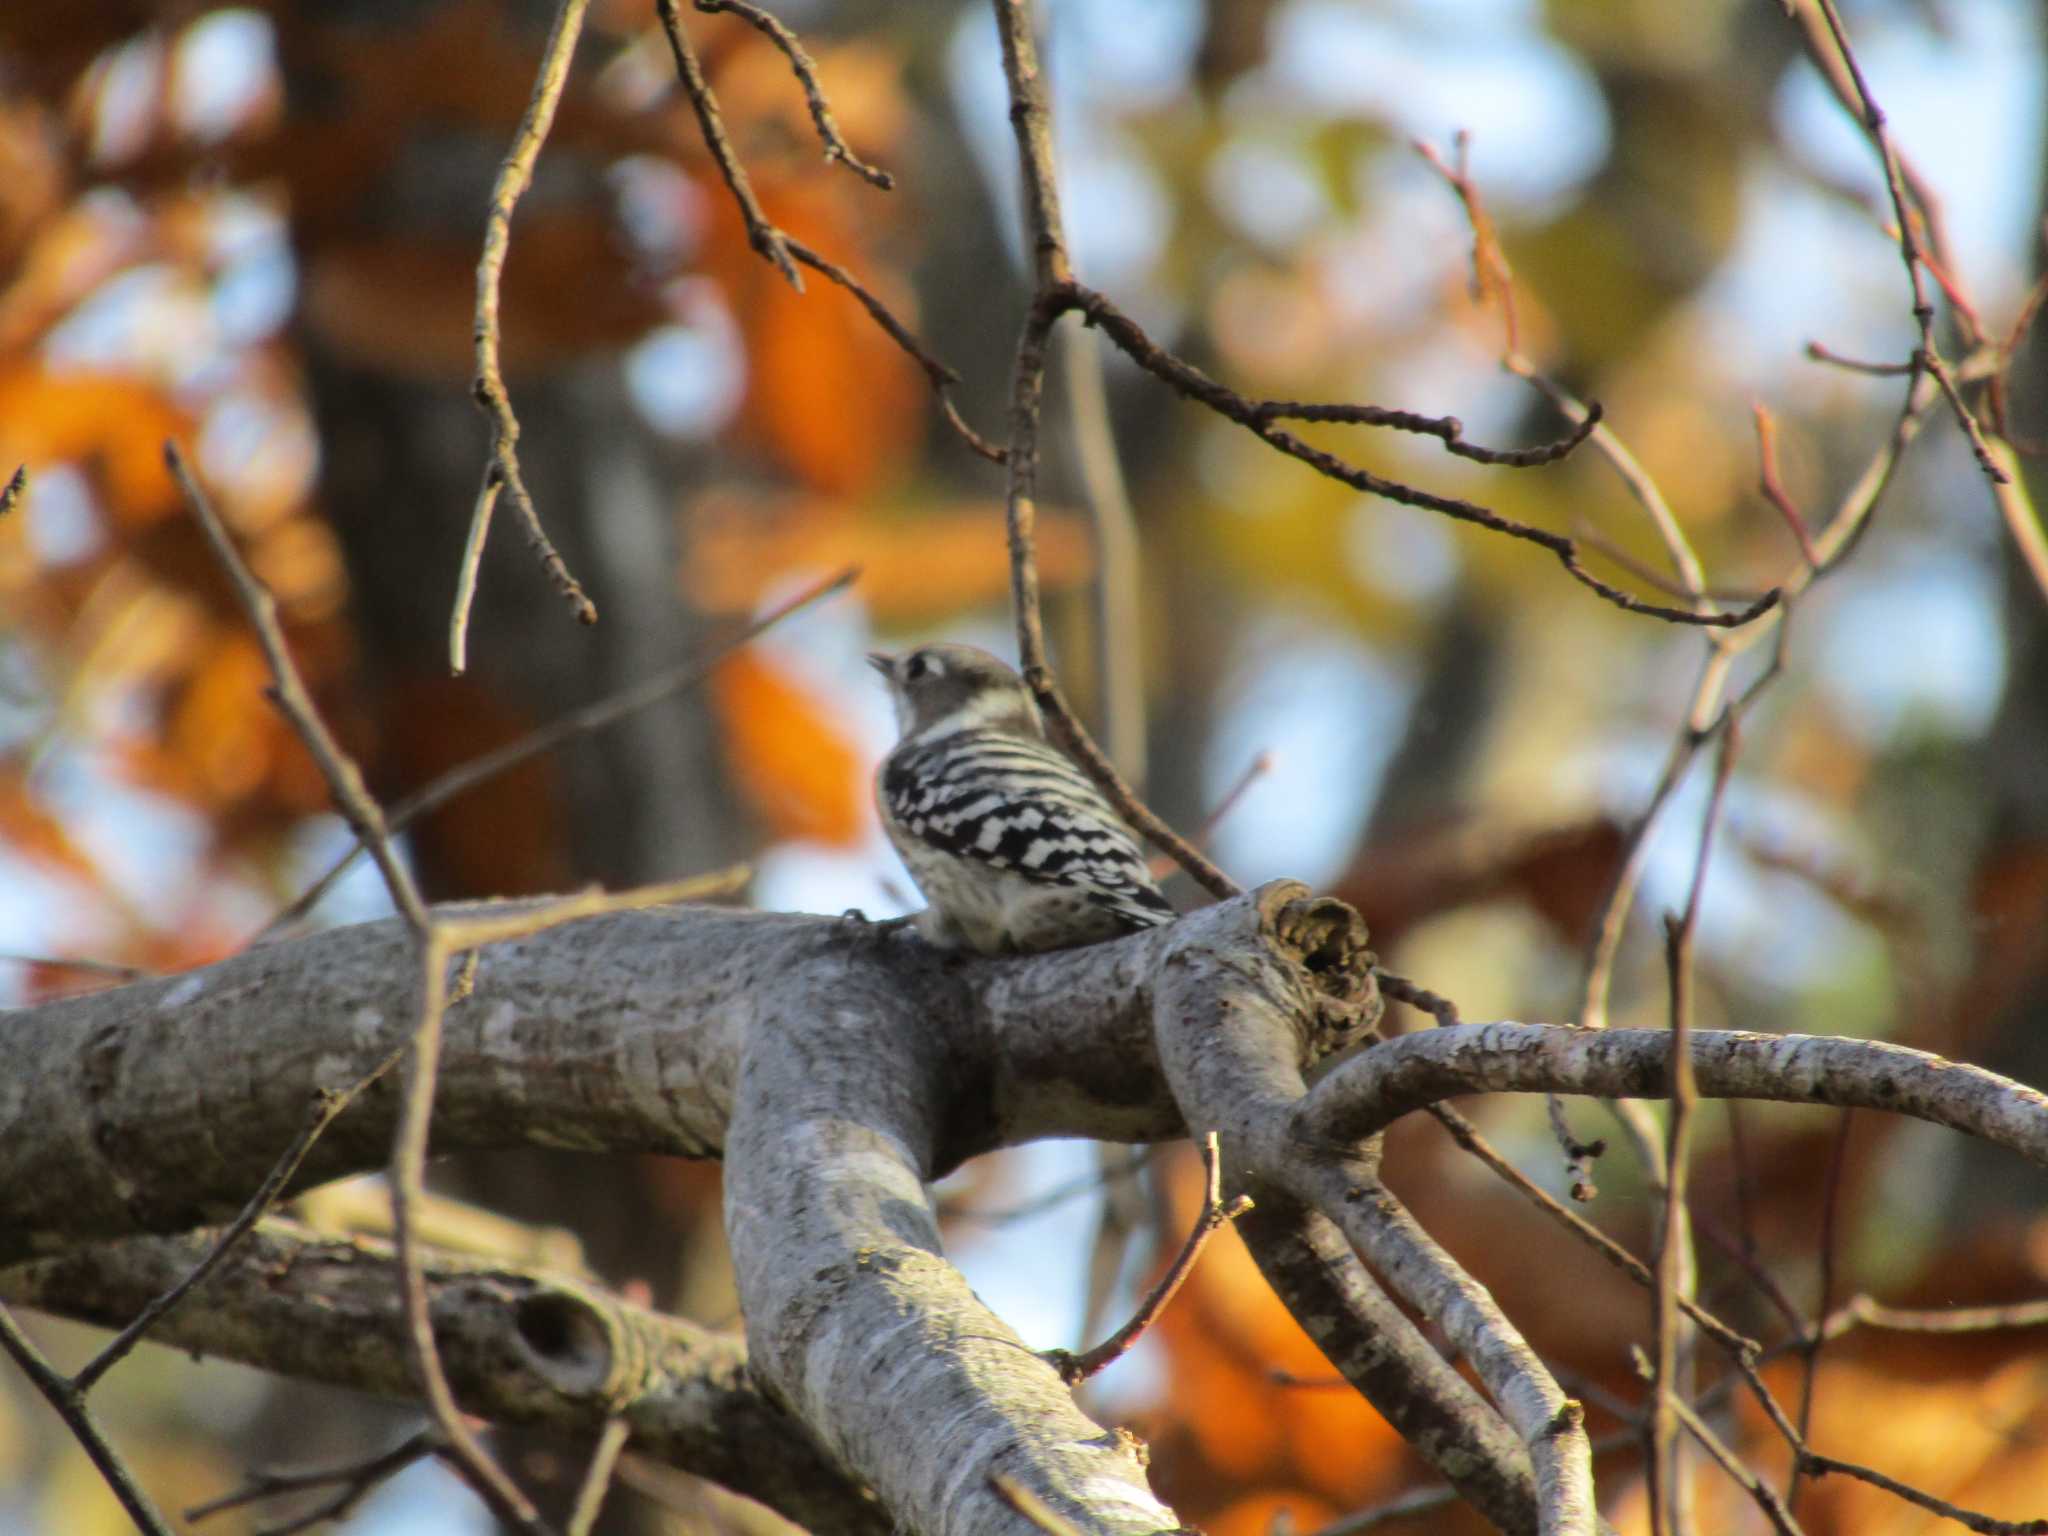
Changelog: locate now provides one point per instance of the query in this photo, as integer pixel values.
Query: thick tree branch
(520, 1347)
(1380, 1085)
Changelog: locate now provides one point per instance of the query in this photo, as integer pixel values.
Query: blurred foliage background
(256, 229)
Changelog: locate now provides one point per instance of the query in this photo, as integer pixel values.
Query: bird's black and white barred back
(1013, 846)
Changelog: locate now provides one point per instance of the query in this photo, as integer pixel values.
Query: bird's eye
(919, 665)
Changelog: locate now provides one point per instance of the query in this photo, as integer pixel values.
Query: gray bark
(520, 1347)
(838, 1069)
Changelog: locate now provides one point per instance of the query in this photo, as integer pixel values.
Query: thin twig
(1772, 486)
(1674, 1254)
(1863, 106)
(776, 245)
(1258, 417)
(472, 564)
(1863, 1311)
(357, 1480)
(1057, 1196)
(69, 1403)
(328, 1103)
(762, 235)
(1402, 990)
(1820, 353)
(464, 777)
(1216, 1213)
(1467, 1136)
(514, 176)
(1964, 1517)
(1031, 1506)
(1765, 1496)
(807, 77)
(1816, 1337)
(597, 1479)
(1423, 1501)
(345, 783)
(344, 780)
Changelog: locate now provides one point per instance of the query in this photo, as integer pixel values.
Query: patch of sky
(426, 1499)
(126, 105)
(147, 845)
(1103, 60)
(688, 378)
(360, 895)
(41, 913)
(1032, 1271)
(150, 317)
(1329, 709)
(1404, 552)
(62, 521)
(1538, 124)
(1268, 189)
(257, 281)
(1913, 645)
(663, 211)
(1776, 928)
(224, 62)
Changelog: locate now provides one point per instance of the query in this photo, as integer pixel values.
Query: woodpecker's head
(956, 688)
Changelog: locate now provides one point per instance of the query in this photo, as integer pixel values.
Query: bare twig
(1260, 765)
(514, 176)
(114, 973)
(1773, 487)
(1402, 990)
(1423, 1501)
(1862, 1311)
(344, 780)
(1674, 1257)
(1467, 1136)
(762, 235)
(1765, 1496)
(352, 1483)
(1816, 1337)
(328, 1103)
(1031, 1506)
(1258, 417)
(69, 1402)
(1964, 1517)
(597, 1479)
(1820, 353)
(807, 77)
(775, 245)
(1854, 93)
(472, 563)
(408, 1158)
(1216, 1213)
(464, 777)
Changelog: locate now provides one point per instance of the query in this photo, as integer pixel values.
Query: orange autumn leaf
(916, 569)
(828, 393)
(790, 756)
(114, 424)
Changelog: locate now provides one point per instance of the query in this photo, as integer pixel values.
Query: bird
(1014, 847)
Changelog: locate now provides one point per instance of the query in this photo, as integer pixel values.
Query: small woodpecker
(1013, 846)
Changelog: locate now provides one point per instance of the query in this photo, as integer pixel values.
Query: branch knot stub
(1328, 941)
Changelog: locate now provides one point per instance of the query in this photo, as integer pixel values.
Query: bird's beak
(883, 663)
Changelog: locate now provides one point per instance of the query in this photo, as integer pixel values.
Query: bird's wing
(1021, 805)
